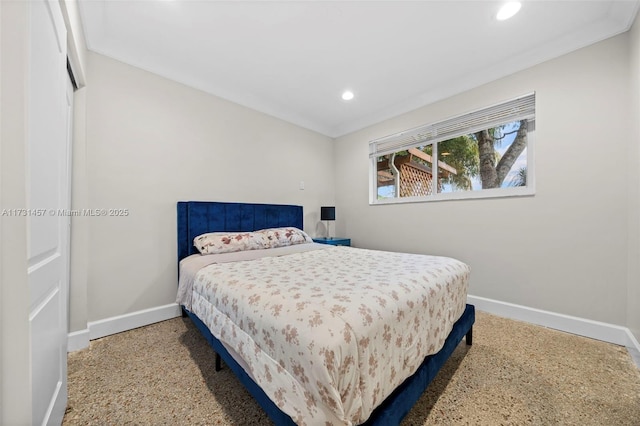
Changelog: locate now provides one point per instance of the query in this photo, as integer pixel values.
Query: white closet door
(48, 194)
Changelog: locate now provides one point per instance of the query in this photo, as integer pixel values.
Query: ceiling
(293, 59)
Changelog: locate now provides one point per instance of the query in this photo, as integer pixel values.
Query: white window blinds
(517, 109)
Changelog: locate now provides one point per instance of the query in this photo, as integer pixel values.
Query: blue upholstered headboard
(199, 217)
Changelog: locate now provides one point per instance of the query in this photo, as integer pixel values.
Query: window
(485, 153)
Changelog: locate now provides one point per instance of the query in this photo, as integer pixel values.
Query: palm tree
(493, 171)
(475, 155)
(520, 179)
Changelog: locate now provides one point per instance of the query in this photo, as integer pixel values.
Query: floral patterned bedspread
(329, 334)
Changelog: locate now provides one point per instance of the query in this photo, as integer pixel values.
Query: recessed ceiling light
(508, 10)
(347, 95)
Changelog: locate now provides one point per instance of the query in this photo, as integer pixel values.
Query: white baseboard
(581, 326)
(78, 340)
(97, 329)
(113, 325)
(634, 348)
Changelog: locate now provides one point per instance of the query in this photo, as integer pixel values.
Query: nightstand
(333, 241)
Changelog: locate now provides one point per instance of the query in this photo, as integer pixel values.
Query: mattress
(327, 332)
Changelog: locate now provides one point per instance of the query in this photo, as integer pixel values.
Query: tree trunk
(488, 174)
(512, 154)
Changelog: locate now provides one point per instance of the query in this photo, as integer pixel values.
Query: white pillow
(228, 242)
(281, 237)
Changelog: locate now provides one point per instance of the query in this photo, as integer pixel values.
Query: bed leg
(469, 336)
(218, 362)
(184, 312)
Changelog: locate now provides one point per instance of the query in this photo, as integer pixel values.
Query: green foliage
(461, 153)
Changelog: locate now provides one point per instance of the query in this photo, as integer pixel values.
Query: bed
(317, 381)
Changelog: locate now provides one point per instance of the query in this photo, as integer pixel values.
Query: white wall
(152, 142)
(633, 295)
(563, 250)
(80, 252)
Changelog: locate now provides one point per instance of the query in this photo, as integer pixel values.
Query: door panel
(47, 194)
(46, 358)
(42, 278)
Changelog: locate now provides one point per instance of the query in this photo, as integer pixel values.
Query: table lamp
(327, 214)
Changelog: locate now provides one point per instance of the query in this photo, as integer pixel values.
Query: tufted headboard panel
(199, 217)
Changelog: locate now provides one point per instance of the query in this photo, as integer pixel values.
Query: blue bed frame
(199, 217)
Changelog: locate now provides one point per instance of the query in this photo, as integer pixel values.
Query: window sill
(467, 195)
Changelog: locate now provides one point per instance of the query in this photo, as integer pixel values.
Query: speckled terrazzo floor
(514, 374)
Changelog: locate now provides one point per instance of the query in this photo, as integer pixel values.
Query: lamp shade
(327, 213)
